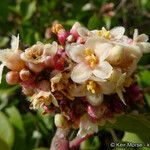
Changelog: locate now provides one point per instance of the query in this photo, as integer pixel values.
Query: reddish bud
(12, 77)
(36, 67)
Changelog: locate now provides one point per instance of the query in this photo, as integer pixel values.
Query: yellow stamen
(56, 28)
(91, 86)
(90, 58)
(104, 33)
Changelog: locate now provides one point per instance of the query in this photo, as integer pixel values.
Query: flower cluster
(84, 79)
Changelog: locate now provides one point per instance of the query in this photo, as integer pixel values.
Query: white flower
(11, 57)
(114, 34)
(42, 98)
(141, 41)
(91, 59)
(86, 127)
(38, 52)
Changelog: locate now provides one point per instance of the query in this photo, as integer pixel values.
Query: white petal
(135, 34)
(54, 101)
(117, 32)
(102, 50)
(76, 52)
(75, 26)
(1, 71)
(141, 38)
(84, 32)
(93, 43)
(95, 99)
(103, 70)
(15, 43)
(50, 49)
(81, 73)
(144, 46)
(120, 95)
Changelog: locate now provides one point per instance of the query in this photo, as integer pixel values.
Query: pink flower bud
(62, 37)
(73, 31)
(49, 62)
(12, 77)
(36, 67)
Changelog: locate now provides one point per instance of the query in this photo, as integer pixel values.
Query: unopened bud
(12, 77)
(73, 31)
(25, 74)
(60, 121)
(49, 62)
(116, 55)
(36, 67)
(62, 37)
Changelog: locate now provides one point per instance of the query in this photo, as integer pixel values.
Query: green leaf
(91, 143)
(94, 22)
(134, 138)
(3, 41)
(138, 124)
(16, 120)
(3, 145)
(6, 130)
(31, 9)
(144, 78)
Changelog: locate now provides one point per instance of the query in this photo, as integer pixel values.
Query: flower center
(91, 86)
(35, 54)
(104, 33)
(91, 58)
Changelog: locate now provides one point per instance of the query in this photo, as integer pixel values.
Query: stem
(60, 140)
(77, 141)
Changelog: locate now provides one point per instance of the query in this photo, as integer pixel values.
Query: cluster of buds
(84, 79)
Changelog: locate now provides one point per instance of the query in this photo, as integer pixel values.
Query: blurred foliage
(21, 128)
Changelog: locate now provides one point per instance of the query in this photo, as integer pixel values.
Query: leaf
(16, 120)
(3, 41)
(93, 22)
(3, 145)
(91, 143)
(6, 130)
(138, 124)
(144, 78)
(31, 9)
(134, 138)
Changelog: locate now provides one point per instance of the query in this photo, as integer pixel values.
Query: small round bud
(25, 74)
(36, 67)
(116, 55)
(12, 77)
(49, 62)
(60, 121)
